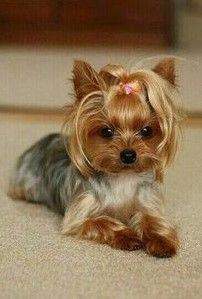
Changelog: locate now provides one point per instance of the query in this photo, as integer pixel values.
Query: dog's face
(119, 123)
(125, 135)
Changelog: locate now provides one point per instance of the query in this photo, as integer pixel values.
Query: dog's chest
(122, 188)
(118, 195)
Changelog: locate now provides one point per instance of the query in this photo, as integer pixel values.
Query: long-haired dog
(104, 172)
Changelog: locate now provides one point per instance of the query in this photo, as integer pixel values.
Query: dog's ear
(85, 79)
(166, 69)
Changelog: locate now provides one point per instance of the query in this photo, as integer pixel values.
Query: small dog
(103, 173)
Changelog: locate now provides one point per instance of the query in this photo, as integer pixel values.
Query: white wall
(34, 77)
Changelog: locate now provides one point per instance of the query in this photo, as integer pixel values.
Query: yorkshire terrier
(104, 171)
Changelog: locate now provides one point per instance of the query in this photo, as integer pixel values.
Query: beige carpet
(37, 262)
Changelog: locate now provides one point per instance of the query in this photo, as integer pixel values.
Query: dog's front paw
(159, 236)
(161, 247)
(126, 239)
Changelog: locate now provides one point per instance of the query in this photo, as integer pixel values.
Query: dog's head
(121, 121)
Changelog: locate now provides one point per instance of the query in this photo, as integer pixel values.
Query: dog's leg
(86, 220)
(104, 229)
(158, 236)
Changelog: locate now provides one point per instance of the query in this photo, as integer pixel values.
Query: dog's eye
(146, 131)
(107, 132)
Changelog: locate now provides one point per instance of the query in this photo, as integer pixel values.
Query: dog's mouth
(123, 168)
(117, 166)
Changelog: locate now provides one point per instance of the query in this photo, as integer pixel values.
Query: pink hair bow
(131, 87)
(128, 88)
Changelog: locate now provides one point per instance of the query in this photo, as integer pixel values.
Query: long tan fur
(120, 218)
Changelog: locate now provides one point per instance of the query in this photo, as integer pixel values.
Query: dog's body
(108, 184)
(46, 175)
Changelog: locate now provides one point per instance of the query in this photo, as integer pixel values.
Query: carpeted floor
(37, 262)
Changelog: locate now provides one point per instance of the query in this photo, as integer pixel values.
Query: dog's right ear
(85, 79)
(166, 69)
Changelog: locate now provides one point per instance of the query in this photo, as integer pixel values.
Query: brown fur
(95, 109)
(166, 69)
(17, 193)
(158, 235)
(110, 231)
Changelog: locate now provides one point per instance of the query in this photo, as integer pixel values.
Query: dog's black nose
(128, 156)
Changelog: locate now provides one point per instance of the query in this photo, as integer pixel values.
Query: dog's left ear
(85, 79)
(166, 69)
